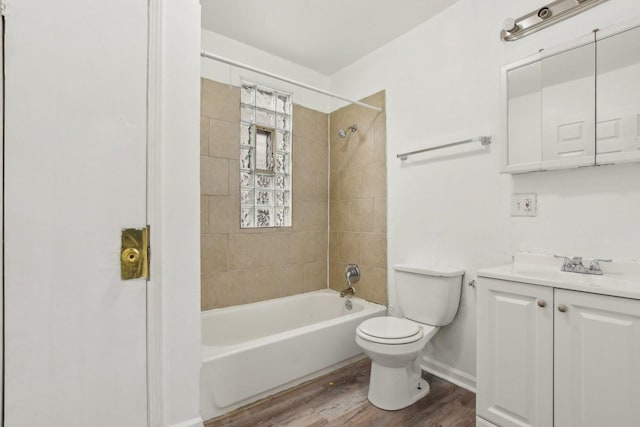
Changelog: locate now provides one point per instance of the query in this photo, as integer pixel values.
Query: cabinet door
(597, 360)
(515, 353)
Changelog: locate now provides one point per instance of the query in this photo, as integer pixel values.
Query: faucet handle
(595, 263)
(569, 261)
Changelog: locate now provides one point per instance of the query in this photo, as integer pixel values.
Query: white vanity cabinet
(596, 360)
(515, 353)
(556, 357)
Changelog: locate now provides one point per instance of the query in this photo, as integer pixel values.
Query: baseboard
(195, 422)
(449, 373)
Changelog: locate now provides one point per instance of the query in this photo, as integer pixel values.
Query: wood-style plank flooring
(340, 399)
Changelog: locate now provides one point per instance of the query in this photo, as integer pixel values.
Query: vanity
(558, 348)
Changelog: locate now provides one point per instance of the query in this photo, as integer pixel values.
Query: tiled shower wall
(248, 265)
(358, 199)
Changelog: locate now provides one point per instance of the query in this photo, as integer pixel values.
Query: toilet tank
(428, 293)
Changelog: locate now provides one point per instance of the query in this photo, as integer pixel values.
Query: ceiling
(323, 35)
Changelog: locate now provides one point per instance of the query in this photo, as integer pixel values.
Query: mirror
(264, 149)
(618, 109)
(525, 115)
(550, 114)
(568, 103)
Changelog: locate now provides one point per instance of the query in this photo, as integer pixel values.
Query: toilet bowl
(395, 344)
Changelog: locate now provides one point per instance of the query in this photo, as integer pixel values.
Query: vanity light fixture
(559, 10)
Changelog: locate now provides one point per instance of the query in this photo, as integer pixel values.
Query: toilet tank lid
(437, 270)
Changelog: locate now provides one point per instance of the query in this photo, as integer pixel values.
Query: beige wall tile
(310, 215)
(206, 292)
(334, 186)
(226, 289)
(309, 185)
(214, 176)
(309, 123)
(224, 139)
(374, 180)
(323, 128)
(323, 185)
(309, 246)
(380, 137)
(360, 151)
(380, 285)
(339, 215)
(334, 241)
(204, 214)
(351, 183)
(337, 280)
(309, 155)
(264, 283)
(219, 101)
(248, 251)
(305, 122)
(319, 155)
(204, 136)
(361, 215)
(234, 178)
(377, 99)
(380, 214)
(214, 252)
(224, 214)
(349, 248)
(372, 285)
(315, 275)
(374, 250)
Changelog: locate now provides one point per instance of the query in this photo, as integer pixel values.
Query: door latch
(134, 254)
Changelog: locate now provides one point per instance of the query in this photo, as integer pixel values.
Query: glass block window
(265, 157)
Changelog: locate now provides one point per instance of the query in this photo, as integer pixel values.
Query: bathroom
(437, 80)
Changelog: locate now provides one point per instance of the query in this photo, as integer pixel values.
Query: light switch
(524, 204)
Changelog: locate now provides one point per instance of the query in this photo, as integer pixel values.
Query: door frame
(155, 410)
(153, 190)
(2, 211)
(159, 412)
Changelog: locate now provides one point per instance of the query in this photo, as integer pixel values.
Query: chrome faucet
(352, 274)
(575, 265)
(349, 291)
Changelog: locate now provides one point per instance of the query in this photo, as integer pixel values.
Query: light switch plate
(524, 204)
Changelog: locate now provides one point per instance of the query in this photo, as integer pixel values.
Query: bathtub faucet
(352, 273)
(349, 291)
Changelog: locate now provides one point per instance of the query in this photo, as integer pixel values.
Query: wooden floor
(340, 399)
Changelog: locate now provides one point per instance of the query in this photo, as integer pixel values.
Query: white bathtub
(251, 351)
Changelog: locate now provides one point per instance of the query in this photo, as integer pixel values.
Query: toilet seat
(391, 330)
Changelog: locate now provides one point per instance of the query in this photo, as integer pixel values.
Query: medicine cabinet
(574, 106)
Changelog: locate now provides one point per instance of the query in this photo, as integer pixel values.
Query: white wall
(442, 84)
(180, 205)
(234, 50)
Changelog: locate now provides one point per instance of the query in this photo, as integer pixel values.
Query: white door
(515, 354)
(75, 155)
(597, 363)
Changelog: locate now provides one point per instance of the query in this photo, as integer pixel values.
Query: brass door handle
(130, 255)
(134, 255)
(562, 308)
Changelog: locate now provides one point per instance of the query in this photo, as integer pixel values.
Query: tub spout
(349, 291)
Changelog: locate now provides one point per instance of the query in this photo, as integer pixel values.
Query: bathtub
(254, 350)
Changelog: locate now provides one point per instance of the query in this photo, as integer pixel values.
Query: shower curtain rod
(209, 55)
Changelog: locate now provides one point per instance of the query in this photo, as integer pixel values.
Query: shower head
(343, 133)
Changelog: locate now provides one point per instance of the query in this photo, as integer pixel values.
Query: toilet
(428, 297)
